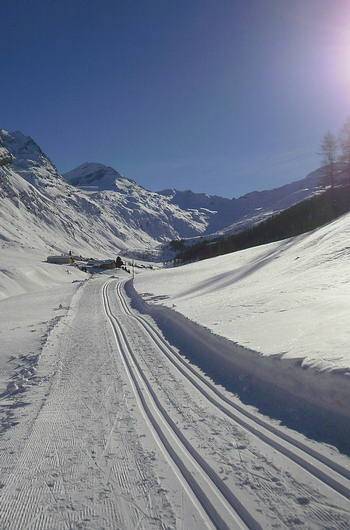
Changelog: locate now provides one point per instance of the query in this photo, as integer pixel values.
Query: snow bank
(273, 374)
(278, 312)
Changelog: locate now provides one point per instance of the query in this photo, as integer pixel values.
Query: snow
(34, 296)
(100, 429)
(94, 174)
(5, 156)
(288, 300)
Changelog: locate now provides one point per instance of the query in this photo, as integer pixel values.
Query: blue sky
(220, 96)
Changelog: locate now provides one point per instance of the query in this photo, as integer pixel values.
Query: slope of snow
(39, 209)
(288, 300)
(29, 160)
(141, 203)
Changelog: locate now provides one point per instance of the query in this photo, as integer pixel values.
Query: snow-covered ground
(34, 296)
(287, 302)
(114, 429)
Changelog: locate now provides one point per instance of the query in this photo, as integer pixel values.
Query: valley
(210, 395)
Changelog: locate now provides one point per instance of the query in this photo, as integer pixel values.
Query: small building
(107, 264)
(101, 264)
(60, 260)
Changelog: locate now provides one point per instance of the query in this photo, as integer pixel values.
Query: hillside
(39, 209)
(232, 215)
(282, 307)
(304, 216)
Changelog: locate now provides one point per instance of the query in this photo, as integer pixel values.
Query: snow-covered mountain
(219, 214)
(95, 208)
(256, 333)
(150, 211)
(230, 215)
(95, 176)
(40, 209)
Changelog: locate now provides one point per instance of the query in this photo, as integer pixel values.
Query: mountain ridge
(236, 213)
(38, 208)
(223, 214)
(93, 174)
(94, 205)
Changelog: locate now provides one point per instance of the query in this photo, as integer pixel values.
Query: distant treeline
(302, 217)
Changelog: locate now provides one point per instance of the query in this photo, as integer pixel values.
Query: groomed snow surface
(105, 424)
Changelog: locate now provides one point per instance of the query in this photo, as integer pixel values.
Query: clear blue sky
(221, 96)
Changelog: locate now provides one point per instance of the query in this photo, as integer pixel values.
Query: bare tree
(344, 142)
(329, 148)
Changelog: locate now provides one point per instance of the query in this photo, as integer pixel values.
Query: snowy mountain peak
(39, 208)
(94, 175)
(28, 159)
(21, 146)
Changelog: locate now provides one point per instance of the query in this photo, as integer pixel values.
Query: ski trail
(80, 463)
(222, 508)
(322, 467)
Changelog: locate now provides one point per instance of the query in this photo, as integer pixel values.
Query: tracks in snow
(216, 502)
(322, 468)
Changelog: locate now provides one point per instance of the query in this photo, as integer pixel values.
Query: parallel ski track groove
(321, 467)
(219, 491)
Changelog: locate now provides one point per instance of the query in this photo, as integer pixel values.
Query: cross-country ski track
(118, 430)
